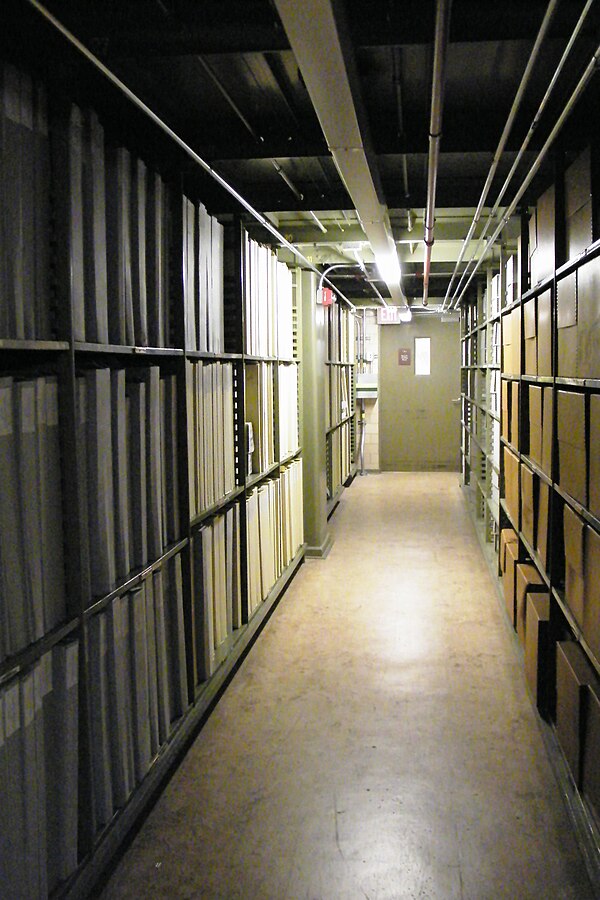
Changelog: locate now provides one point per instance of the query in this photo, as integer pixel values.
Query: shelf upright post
(314, 349)
(235, 313)
(178, 332)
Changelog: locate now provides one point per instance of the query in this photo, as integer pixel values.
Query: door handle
(456, 400)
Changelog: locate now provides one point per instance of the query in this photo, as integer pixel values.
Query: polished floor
(377, 742)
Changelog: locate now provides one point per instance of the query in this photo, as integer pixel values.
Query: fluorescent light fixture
(405, 315)
(388, 267)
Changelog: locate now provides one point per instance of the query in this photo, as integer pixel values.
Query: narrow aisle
(378, 741)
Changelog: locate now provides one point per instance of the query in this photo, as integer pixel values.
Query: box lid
(574, 531)
(533, 232)
(529, 318)
(588, 292)
(567, 301)
(526, 486)
(570, 654)
(507, 536)
(571, 418)
(527, 577)
(578, 183)
(538, 607)
(544, 303)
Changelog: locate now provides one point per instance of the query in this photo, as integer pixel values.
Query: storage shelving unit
(147, 554)
(480, 400)
(550, 469)
(340, 401)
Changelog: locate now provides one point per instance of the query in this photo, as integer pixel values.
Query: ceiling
(223, 75)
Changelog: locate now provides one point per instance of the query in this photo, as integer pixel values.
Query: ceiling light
(388, 267)
(405, 315)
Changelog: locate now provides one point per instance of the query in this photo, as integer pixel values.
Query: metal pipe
(397, 68)
(227, 96)
(504, 136)
(297, 194)
(378, 292)
(262, 220)
(330, 269)
(257, 137)
(442, 29)
(318, 221)
(534, 124)
(590, 71)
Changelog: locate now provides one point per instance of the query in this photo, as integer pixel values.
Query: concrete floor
(378, 741)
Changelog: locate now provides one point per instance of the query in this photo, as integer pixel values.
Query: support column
(312, 342)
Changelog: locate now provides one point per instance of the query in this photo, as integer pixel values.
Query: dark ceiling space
(222, 75)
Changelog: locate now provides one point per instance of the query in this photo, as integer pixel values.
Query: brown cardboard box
(535, 423)
(579, 231)
(544, 334)
(578, 183)
(547, 432)
(505, 410)
(509, 579)
(541, 261)
(512, 279)
(515, 317)
(541, 522)
(527, 581)
(591, 605)
(511, 486)
(507, 536)
(588, 319)
(514, 414)
(533, 233)
(507, 355)
(574, 534)
(571, 444)
(573, 675)
(578, 206)
(594, 485)
(536, 646)
(527, 513)
(591, 751)
(566, 323)
(530, 335)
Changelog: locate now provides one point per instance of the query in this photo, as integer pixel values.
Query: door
(419, 425)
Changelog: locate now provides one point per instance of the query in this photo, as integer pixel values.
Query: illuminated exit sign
(389, 315)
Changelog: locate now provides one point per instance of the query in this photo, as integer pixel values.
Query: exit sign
(388, 315)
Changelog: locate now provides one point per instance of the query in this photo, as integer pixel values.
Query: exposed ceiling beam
(309, 234)
(214, 27)
(308, 146)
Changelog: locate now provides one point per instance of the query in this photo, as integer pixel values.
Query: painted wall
(419, 426)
